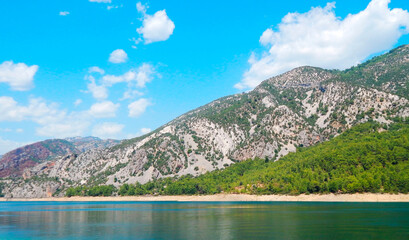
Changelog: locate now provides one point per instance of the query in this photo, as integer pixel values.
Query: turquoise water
(171, 220)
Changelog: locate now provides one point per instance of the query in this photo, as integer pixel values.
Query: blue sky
(117, 69)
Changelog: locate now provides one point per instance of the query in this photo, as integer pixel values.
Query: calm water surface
(171, 220)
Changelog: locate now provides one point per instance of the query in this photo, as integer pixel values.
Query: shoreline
(358, 197)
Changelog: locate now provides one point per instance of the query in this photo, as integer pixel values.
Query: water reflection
(41, 220)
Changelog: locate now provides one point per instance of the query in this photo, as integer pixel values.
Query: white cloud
(137, 77)
(320, 38)
(144, 75)
(138, 107)
(130, 94)
(141, 132)
(6, 130)
(96, 69)
(60, 124)
(134, 78)
(64, 13)
(99, 92)
(10, 111)
(107, 130)
(70, 127)
(145, 131)
(104, 109)
(77, 102)
(113, 7)
(37, 110)
(155, 28)
(18, 130)
(141, 8)
(101, 1)
(118, 56)
(19, 76)
(136, 41)
(53, 121)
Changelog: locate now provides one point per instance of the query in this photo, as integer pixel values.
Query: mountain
(300, 108)
(369, 157)
(84, 144)
(13, 163)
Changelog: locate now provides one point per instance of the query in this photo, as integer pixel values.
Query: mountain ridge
(300, 108)
(13, 163)
(369, 157)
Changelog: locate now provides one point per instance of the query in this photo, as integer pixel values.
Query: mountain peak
(82, 139)
(305, 76)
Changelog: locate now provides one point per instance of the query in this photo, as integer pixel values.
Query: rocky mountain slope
(299, 108)
(369, 157)
(13, 163)
(84, 144)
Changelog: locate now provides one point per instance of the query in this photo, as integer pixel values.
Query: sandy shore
(365, 197)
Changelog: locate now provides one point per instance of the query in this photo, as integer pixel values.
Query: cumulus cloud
(130, 94)
(320, 38)
(96, 69)
(101, 1)
(37, 110)
(77, 102)
(64, 13)
(104, 109)
(114, 7)
(18, 76)
(99, 92)
(107, 130)
(141, 132)
(145, 131)
(138, 107)
(118, 56)
(134, 78)
(53, 121)
(155, 28)
(141, 8)
(138, 77)
(72, 126)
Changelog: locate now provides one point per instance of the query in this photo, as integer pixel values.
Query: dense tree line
(366, 158)
(102, 190)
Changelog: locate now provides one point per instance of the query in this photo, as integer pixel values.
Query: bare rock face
(296, 109)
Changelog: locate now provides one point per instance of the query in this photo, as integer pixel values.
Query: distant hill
(13, 163)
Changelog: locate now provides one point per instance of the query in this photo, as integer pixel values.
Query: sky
(122, 68)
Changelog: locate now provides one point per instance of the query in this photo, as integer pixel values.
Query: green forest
(370, 157)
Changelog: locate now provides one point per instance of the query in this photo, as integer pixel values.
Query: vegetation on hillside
(388, 69)
(366, 158)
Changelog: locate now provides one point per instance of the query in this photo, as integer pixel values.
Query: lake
(173, 220)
